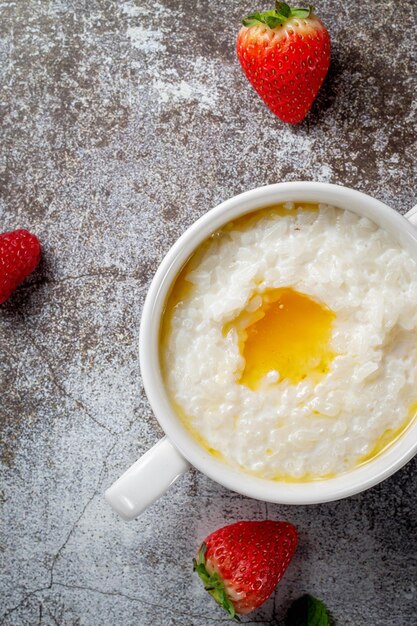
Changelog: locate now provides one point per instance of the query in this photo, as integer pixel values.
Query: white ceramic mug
(153, 473)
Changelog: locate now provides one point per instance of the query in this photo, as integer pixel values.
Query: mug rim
(299, 493)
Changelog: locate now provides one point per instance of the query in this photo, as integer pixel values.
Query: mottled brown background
(122, 122)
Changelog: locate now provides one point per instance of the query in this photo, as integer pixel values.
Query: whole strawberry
(20, 252)
(241, 564)
(285, 54)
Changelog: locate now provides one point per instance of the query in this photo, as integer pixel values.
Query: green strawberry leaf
(307, 611)
(249, 20)
(283, 8)
(278, 16)
(302, 13)
(213, 583)
(201, 559)
(272, 20)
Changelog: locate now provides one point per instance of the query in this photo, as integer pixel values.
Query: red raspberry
(20, 252)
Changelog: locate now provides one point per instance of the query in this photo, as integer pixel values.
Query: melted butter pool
(287, 336)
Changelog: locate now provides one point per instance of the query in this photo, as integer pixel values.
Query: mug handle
(411, 215)
(146, 480)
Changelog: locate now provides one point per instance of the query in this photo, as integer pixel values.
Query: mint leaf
(307, 611)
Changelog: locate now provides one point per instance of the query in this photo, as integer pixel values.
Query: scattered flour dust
(199, 83)
(200, 87)
(319, 426)
(145, 39)
(183, 91)
(134, 9)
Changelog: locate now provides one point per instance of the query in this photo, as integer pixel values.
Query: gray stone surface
(122, 122)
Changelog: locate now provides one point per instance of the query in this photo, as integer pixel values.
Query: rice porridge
(289, 342)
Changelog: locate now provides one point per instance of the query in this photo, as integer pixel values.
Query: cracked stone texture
(122, 122)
